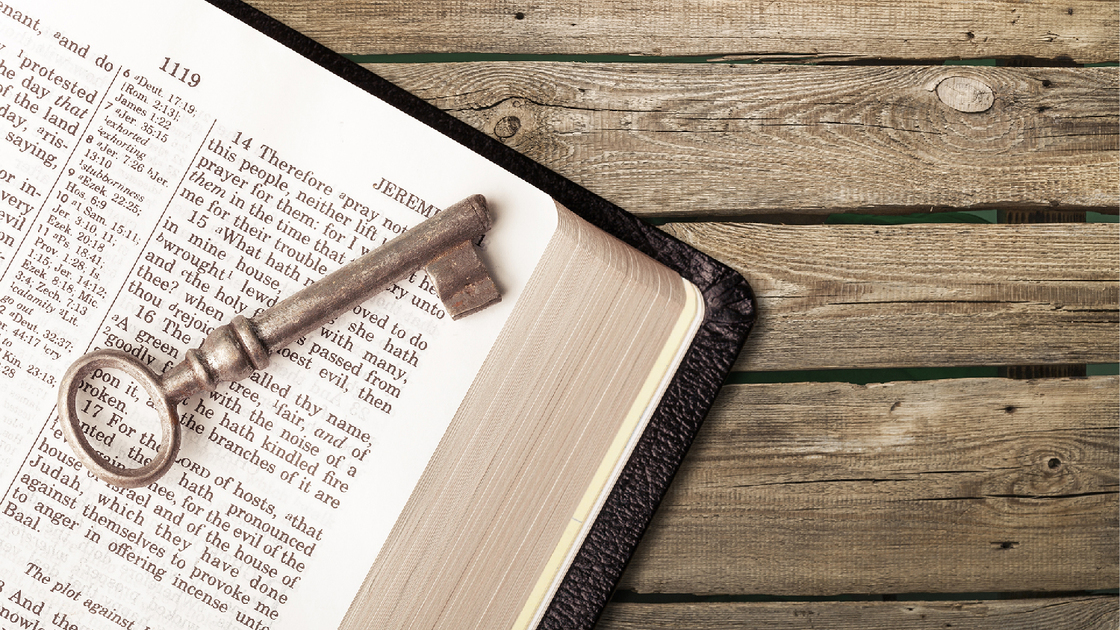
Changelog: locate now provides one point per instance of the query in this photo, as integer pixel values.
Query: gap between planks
(1078, 31)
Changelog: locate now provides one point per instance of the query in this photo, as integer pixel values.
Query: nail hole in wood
(507, 127)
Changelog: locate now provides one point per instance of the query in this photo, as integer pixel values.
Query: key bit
(462, 281)
(444, 245)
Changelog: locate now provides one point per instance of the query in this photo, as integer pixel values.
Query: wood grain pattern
(687, 140)
(967, 485)
(851, 296)
(1051, 613)
(1083, 31)
(806, 489)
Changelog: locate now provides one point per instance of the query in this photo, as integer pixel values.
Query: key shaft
(235, 350)
(354, 283)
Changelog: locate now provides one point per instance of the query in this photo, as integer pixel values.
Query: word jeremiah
(406, 199)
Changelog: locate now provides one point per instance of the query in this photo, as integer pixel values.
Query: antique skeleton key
(444, 245)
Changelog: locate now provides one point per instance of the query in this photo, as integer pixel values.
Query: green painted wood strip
(1080, 31)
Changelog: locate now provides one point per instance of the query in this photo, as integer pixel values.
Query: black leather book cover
(730, 313)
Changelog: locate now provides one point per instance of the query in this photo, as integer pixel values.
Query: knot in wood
(966, 94)
(507, 127)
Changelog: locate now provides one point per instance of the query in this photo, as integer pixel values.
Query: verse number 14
(247, 142)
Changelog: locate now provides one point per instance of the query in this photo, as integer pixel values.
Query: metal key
(444, 245)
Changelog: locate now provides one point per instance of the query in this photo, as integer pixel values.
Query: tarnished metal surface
(444, 244)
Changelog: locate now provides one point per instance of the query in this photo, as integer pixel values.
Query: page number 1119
(182, 73)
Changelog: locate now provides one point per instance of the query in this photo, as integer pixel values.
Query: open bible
(166, 166)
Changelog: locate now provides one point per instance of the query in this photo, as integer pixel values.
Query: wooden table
(883, 459)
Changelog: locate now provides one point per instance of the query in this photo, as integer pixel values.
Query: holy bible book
(168, 165)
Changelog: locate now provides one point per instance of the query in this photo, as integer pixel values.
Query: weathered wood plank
(968, 485)
(675, 140)
(1051, 613)
(1083, 31)
(850, 296)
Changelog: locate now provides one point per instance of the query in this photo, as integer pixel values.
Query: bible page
(164, 167)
